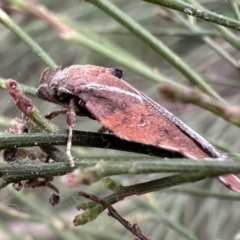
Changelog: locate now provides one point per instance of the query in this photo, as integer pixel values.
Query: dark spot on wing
(141, 121)
(166, 131)
(125, 120)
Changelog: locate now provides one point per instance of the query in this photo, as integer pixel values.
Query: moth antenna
(44, 76)
(55, 113)
(53, 72)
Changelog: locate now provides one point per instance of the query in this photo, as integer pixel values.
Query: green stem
(198, 98)
(9, 23)
(235, 9)
(155, 44)
(41, 121)
(113, 52)
(198, 12)
(172, 31)
(225, 33)
(87, 139)
(133, 166)
(204, 193)
(71, 31)
(223, 81)
(94, 167)
(212, 44)
(176, 227)
(229, 36)
(93, 209)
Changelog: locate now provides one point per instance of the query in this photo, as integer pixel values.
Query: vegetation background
(192, 212)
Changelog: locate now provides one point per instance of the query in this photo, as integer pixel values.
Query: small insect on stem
(101, 94)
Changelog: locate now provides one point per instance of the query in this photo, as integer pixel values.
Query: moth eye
(81, 103)
(117, 72)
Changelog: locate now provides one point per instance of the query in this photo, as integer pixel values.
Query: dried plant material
(133, 228)
(54, 199)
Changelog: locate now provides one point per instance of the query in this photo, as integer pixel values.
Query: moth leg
(102, 130)
(62, 92)
(71, 121)
(55, 113)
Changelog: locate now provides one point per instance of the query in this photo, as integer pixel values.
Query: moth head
(48, 85)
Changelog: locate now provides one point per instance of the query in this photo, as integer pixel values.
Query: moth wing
(128, 116)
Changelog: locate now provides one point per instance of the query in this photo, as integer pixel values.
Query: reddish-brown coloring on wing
(126, 112)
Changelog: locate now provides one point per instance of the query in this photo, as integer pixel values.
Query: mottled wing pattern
(131, 115)
(126, 112)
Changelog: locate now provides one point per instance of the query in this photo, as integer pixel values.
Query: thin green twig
(155, 44)
(225, 33)
(177, 227)
(92, 210)
(213, 44)
(192, 10)
(195, 96)
(95, 169)
(235, 9)
(72, 31)
(9, 23)
(204, 193)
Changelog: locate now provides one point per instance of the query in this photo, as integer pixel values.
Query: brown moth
(101, 94)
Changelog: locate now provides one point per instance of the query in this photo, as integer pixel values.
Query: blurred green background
(163, 214)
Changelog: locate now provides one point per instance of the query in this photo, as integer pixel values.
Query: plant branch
(235, 9)
(212, 44)
(80, 138)
(155, 44)
(92, 210)
(9, 23)
(196, 97)
(204, 193)
(95, 169)
(71, 31)
(133, 228)
(195, 11)
(228, 35)
(104, 167)
(223, 81)
(26, 106)
(145, 166)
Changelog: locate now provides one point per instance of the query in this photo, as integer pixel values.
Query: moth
(101, 94)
